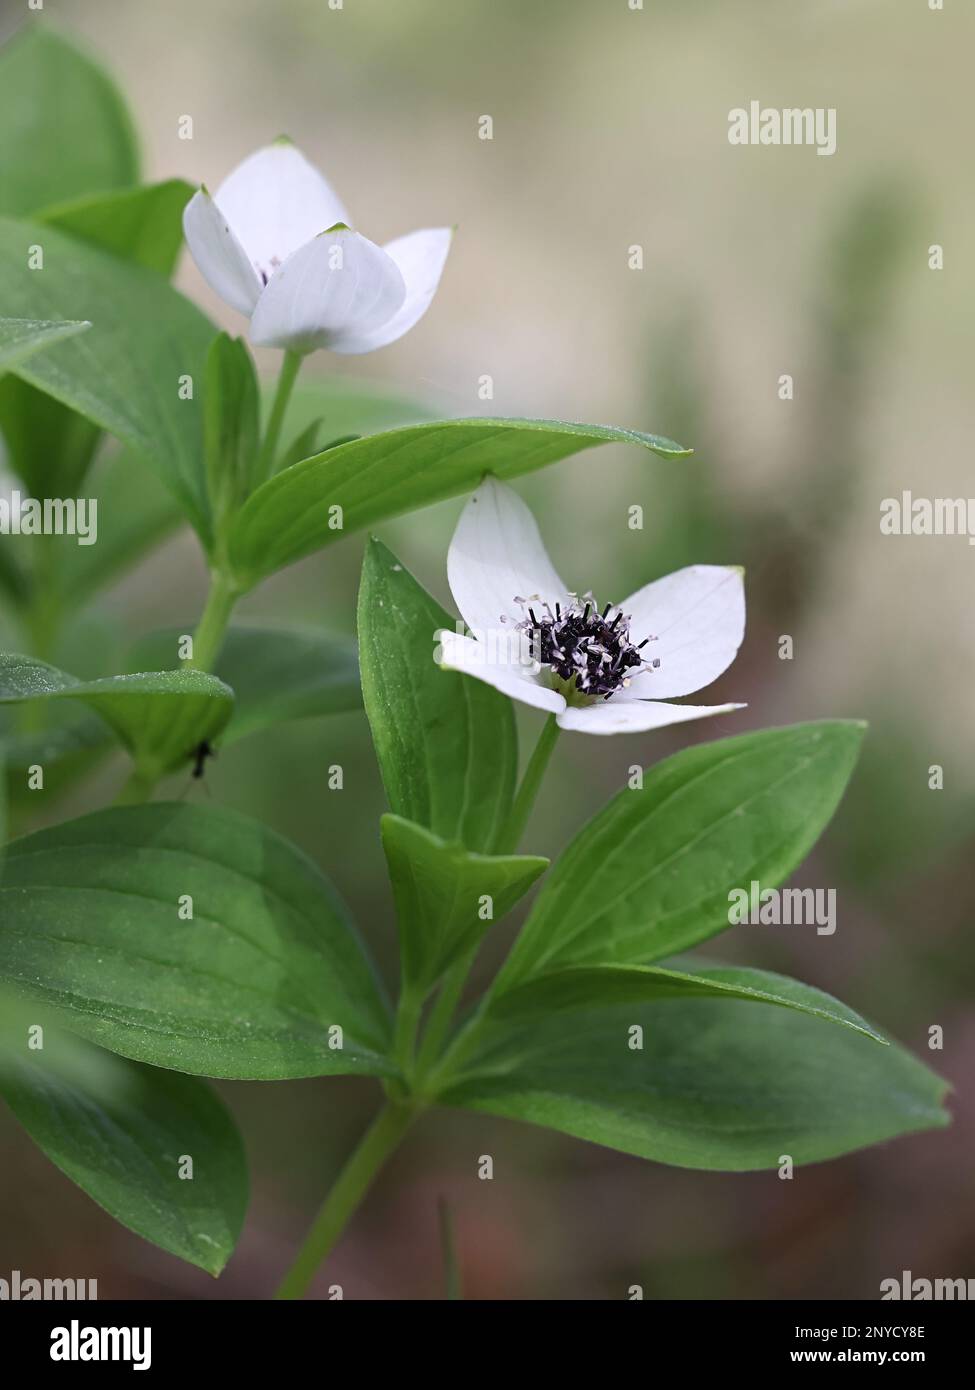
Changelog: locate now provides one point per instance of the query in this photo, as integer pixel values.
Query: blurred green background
(610, 130)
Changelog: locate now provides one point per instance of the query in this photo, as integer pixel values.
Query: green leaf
(135, 514)
(716, 1084)
(120, 1131)
(160, 716)
(652, 872)
(46, 445)
(303, 445)
(93, 924)
(14, 580)
(276, 673)
(387, 474)
(66, 131)
(21, 338)
(67, 751)
(50, 446)
(231, 425)
(593, 986)
(307, 444)
(447, 746)
(142, 225)
(286, 673)
(440, 892)
(125, 374)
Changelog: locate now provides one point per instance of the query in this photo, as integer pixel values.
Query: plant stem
(511, 834)
(139, 787)
(407, 1026)
(207, 641)
(452, 988)
(448, 1064)
(209, 635)
(365, 1161)
(443, 1011)
(224, 593)
(290, 368)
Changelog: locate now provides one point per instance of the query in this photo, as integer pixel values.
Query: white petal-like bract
(471, 658)
(616, 716)
(496, 556)
(696, 618)
(221, 259)
(421, 257)
(337, 281)
(276, 201)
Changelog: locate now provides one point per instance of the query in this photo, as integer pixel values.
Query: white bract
(274, 243)
(606, 671)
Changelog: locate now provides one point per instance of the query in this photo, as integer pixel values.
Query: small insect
(200, 753)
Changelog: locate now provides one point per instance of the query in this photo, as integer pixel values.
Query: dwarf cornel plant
(149, 945)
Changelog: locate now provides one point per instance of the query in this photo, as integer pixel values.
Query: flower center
(591, 652)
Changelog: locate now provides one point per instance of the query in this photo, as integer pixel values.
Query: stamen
(592, 654)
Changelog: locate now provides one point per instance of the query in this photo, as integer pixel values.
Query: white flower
(274, 243)
(598, 671)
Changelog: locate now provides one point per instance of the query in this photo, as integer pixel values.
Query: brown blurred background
(610, 130)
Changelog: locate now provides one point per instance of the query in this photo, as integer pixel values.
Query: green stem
(407, 1026)
(365, 1161)
(442, 1013)
(47, 596)
(224, 593)
(210, 631)
(462, 1043)
(139, 787)
(290, 368)
(430, 1063)
(44, 620)
(207, 641)
(511, 834)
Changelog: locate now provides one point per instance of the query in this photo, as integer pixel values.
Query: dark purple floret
(593, 650)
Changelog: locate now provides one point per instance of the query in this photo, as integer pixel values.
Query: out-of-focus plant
(150, 944)
(884, 832)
